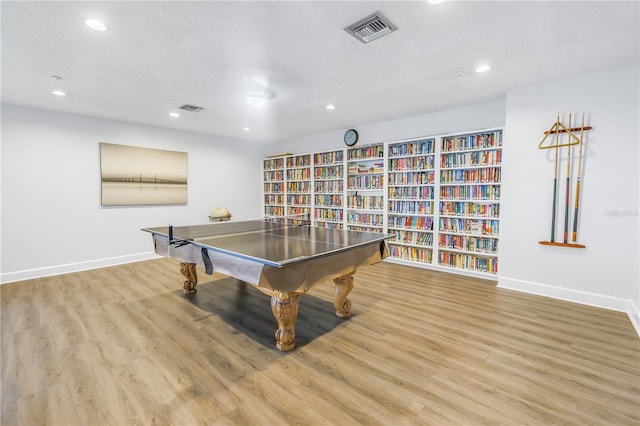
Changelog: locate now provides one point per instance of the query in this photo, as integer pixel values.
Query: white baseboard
(575, 296)
(28, 274)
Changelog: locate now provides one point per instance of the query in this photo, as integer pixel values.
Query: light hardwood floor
(123, 345)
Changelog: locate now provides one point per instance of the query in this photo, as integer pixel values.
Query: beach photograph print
(142, 176)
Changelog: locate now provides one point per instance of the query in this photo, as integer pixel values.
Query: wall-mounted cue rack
(561, 139)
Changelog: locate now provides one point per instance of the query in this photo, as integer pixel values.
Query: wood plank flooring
(123, 346)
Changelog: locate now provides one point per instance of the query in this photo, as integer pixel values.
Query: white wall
(52, 220)
(605, 273)
(469, 118)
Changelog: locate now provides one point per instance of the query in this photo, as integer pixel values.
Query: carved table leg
(189, 271)
(285, 310)
(344, 284)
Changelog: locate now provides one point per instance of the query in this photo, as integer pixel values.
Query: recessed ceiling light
(434, 2)
(330, 107)
(96, 25)
(246, 129)
(58, 93)
(256, 101)
(174, 114)
(483, 68)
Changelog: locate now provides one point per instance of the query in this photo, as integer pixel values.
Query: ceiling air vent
(370, 28)
(190, 108)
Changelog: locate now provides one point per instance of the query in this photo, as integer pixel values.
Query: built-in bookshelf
(365, 188)
(299, 193)
(273, 186)
(328, 189)
(410, 205)
(469, 206)
(440, 196)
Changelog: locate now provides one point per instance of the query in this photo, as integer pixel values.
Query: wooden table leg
(189, 271)
(344, 284)
(285, 310)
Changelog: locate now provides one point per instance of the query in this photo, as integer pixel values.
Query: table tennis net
(219, 229)
(294, 219)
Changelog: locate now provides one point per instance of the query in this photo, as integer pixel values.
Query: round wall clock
(350, 137)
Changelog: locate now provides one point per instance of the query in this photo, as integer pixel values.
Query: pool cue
(555, 186)
(566, 198)
(579, 178)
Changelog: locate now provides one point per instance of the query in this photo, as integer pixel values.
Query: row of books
(400, 165)
(273, 211)
(470, 192)
(329, 214)
(297, 210)
(363, 228)
(399, 174)
(273, 163)
(464, 208)
(414, 254)
(411, 222)
(365, 202)
(413, 237)
(474, 141)
(299, 199)
(412, 192)
(416, 207)
(299, 174)
(477, 244)
(372, 151)
(365, 168)
(483, 175)
(468, 261)
(411, 163)
(299, 187)
(273, 187)
(274, 199)
(273, 175)
(469, 226)
(470, 159)
(365, 182)
(331, 186)
(426, 146)
(395, 206)
(371, 219)
(330, 172)
(328, 200)
(456, 159)
(299, 161)
(411, 178)
(332, 225)
(334, 157)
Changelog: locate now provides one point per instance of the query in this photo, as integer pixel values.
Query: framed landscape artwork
(142, 176)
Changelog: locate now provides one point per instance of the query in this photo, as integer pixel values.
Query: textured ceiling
(159, 55)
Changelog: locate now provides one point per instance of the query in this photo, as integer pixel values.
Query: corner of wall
(634, 317)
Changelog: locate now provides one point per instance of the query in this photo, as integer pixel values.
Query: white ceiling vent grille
(370, 28)
(191, 108)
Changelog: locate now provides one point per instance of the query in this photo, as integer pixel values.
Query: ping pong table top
(268, 242)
